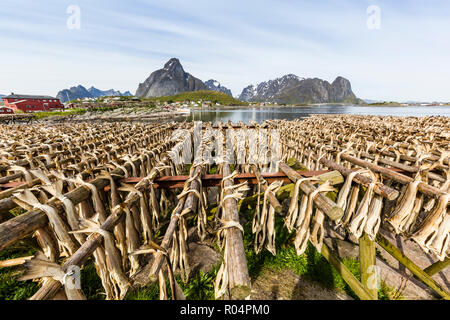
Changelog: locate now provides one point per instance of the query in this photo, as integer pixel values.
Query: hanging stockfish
(221, 282)
(265, 229)
(164, 204)
(24, 171)
(343, 195)
(127, 160)
(132, 238)
(317, 231)
(98, 203)
(303, 229)
(445, 188)
(358, 222)
(125, 171)
(404, 214)
(27, 200)
(178, 256)
(374, 217)
(113, 258)
(441, 242)
(56, 190)
(156, 209)
(237, 193)
(435, 226)
(40, 267)
(256, 222)
(144, 213)
(351, 207)
(292, 215)
(177, 292)
(48, 243)
(119, 229)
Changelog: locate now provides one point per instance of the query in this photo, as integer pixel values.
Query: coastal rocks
(170, 80)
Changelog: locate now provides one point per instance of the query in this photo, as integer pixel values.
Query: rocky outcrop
(170, 80)
(80, 92)
(291, 89)
(216, 86)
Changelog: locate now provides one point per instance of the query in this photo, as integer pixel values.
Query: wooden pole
(411, 266)
(14, 262)
(272, 199)
(437, 267)
(380, 189)
(238, 277)
(79, 258)
(190, 201)
(367, 259)
(402, 166)
(423, 187)
(321, 201)
(21, 226)
(348, 277)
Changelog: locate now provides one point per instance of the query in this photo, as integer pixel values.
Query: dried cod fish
(113, 259)
(41, 267)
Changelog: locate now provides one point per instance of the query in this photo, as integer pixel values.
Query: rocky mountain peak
(292, 89)
(80, 92)
(215, 85)
(170, 80)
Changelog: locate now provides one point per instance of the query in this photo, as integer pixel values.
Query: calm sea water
(291, 113)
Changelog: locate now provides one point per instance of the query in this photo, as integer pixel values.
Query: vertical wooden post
(238, 278)
(367, 259)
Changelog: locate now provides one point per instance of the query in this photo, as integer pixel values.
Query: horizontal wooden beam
(214, 180)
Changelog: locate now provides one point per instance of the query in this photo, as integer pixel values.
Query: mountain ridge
(215, 85)
(292, 89)
(80, 92)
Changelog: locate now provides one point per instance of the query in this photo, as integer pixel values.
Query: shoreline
(308, 106)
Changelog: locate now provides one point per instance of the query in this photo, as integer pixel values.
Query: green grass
(10, 287)
(45, 114)
(91, 283)
(205, 95)
(312, 265)
(200, 287)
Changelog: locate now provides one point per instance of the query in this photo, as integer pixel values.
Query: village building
(30, 103)
(6, 110)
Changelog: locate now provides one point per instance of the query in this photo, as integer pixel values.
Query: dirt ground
(286, 285)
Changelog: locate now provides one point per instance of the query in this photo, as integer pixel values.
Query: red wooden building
(6, 110)
(28, 103)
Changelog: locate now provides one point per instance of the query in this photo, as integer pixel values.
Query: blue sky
(235, 42)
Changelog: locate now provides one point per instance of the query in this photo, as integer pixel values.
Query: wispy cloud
(236, 42)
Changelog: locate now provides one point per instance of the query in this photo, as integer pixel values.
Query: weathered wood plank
(321, 201)
(367, 258)
(411, 266)
(348, 277)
